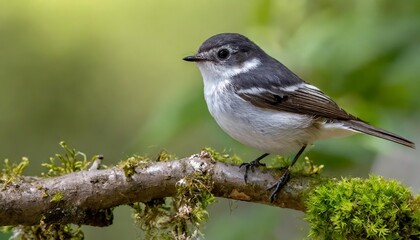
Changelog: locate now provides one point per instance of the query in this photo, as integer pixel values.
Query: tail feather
(363, 127)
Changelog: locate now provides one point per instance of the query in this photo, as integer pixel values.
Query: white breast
(267, 130)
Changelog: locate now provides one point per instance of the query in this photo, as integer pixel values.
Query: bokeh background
(107, 77)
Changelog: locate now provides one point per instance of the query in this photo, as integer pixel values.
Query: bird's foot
(251, 165)
(279, 185)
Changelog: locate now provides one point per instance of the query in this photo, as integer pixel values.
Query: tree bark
(84, 197)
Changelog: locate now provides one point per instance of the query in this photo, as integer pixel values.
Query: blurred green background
(107, 77)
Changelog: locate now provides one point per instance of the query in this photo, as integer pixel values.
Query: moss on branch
(170, 197)
(355, 208)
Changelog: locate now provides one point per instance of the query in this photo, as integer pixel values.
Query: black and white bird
(261, 103)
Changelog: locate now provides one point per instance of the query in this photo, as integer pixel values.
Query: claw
(251, 165)
(285, 177)
(279, 185)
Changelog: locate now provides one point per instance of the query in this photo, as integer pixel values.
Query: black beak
(195, 58)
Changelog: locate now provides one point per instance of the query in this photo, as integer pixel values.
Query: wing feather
(302, 98)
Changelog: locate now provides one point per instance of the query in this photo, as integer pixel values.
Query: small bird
(261, 103)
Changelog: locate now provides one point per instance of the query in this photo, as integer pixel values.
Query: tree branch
(83, 197)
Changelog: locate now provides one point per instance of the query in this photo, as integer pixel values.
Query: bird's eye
(223, 53)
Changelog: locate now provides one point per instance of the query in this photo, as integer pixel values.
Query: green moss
(11, 171)
(310, 168)
(6, 229)
(165, 156)
(363, 209)
(70, 161)
(57, 197)
(223, 156)
(129, 166)
(15, 169)
(278, 162)
(180, 217)
(303, 166)
(108, 212)
(48, 231)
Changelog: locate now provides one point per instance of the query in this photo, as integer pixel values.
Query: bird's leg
(285, 177)
(252, 165)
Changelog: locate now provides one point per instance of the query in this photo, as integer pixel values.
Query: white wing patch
(293, 88)
(253, 90)
(290, 89)
(258, 90)
(310, 89)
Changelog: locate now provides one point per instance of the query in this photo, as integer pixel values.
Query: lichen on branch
(182, 215)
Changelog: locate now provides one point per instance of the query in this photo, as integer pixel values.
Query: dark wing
(273, 86)
(299, 98)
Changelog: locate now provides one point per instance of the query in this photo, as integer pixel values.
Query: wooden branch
(82, 197)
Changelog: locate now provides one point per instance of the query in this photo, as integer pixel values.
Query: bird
(263, 104)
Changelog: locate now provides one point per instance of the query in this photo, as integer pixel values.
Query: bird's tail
(363, 127)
